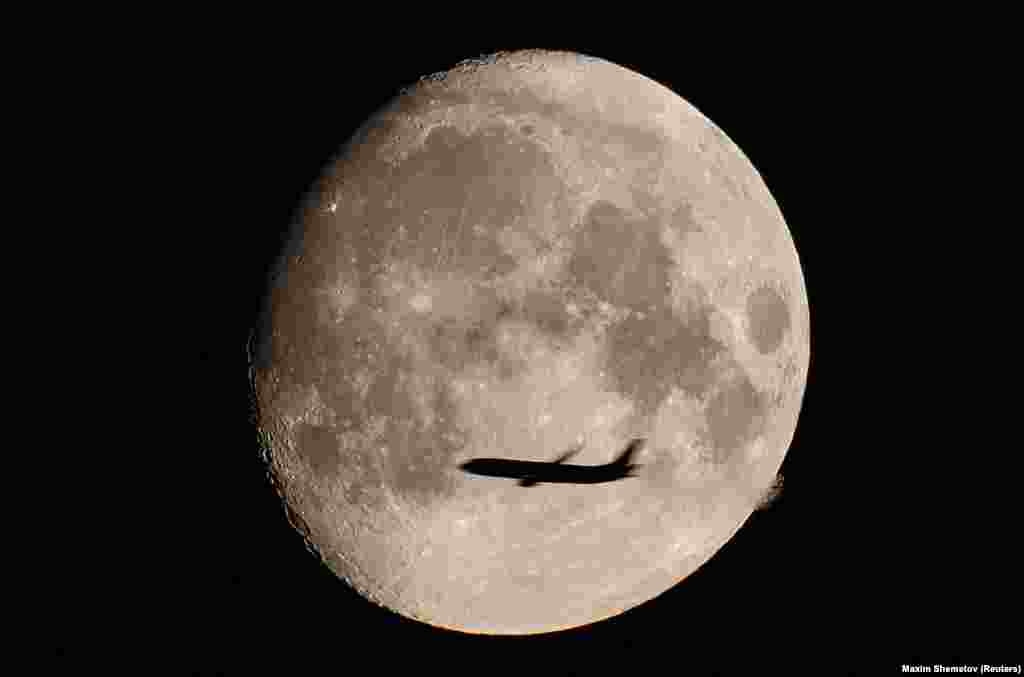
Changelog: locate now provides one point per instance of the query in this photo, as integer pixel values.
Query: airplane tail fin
(625, 458)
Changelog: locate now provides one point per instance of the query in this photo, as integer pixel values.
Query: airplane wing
(530, 481)
(569, 454)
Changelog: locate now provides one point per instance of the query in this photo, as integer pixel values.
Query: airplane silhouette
(530, 473)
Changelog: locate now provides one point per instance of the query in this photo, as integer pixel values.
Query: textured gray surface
(529, 249)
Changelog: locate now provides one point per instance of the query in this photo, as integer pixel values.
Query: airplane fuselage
(537, 472)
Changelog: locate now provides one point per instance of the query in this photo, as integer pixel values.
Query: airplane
(531, 473)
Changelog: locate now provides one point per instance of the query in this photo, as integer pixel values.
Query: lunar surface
(531, 251)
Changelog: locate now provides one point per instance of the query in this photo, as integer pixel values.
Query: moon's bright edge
(530, 250)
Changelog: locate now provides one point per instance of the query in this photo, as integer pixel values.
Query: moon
(530, 251)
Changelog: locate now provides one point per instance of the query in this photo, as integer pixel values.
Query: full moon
(529, 253)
